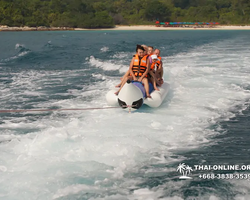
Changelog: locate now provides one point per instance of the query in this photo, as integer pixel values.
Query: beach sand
(153, 27)
(134, 27)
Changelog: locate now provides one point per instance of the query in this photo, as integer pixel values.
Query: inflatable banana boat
(132, 96)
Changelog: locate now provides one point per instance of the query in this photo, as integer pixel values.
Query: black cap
(128, 81)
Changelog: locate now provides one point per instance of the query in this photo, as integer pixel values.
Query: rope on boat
(62, 109)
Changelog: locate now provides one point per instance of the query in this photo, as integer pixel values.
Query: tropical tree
(156, 10)
(107, 13)
(181, 168)
(188, 170)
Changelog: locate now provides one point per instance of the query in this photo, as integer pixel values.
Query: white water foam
(19, 46)
(108, 65)
(33, 83)
(20, 54)
(100, 154)
(104, 49)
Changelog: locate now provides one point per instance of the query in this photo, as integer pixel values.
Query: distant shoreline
(40, 28)
(132, 27)
(153, 27)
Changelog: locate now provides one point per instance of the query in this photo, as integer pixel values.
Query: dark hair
(138, 46)
(150, 47)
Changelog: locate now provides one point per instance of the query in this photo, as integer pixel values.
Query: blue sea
(110, 154)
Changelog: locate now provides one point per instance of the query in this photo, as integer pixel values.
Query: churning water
(110, 154)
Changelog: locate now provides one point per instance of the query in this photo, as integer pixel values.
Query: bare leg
(146, 86)
(161, 73)
(123, 83)
(122, 79)
(158, 76)
(154, 80)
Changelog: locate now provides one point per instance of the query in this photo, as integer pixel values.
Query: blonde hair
(145, 47)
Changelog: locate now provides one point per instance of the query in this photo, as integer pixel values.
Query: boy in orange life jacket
(153, 67)
(139, 67)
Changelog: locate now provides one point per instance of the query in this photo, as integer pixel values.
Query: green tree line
(108, 13)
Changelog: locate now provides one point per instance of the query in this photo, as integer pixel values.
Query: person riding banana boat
(138, 70)
(142, 84)
(144, 69)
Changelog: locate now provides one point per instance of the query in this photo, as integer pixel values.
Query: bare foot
(160, 80)
(148, 96)
(119, 85)
(116, 93)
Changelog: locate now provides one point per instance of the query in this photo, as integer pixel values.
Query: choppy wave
(104, 49)
(22, 51)
(107, 65)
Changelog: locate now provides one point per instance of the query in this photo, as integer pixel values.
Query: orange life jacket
(157, 63)
(140, 65)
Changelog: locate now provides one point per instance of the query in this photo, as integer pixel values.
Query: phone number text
(225, 176)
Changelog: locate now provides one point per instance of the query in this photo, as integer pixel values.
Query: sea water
(110, 154)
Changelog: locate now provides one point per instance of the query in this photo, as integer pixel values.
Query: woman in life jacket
(139, 67)
(148, 50)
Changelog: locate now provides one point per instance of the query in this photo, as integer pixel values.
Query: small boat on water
(132, 96)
